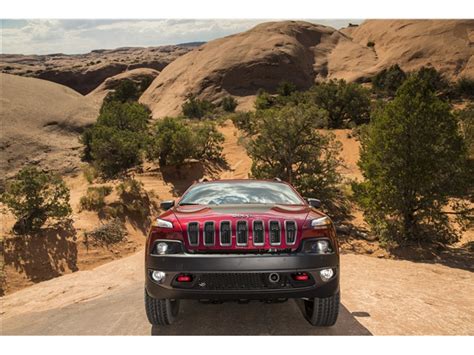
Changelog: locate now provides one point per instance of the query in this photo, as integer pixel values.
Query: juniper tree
(413, 160)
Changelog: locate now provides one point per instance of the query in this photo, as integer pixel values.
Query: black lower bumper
(201, 264)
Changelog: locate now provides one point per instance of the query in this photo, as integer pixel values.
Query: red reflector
(301, 277)
(184, 278)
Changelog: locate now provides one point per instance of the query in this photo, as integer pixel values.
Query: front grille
(242, 233)
(209, 233)
(238, 281)
(275, 233)
(262, 234)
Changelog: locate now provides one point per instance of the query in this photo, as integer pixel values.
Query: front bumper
(284, 264)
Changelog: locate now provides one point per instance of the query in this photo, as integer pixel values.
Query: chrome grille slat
(209, 233)
(242, 233)
(274, 232)
(193, 233)
(258, 232)
(225, 238)
(291, 231)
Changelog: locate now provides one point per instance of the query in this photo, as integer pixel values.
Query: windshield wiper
(189, 204)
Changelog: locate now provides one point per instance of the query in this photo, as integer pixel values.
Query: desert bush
(228, 104)
(288, 146)
(125, 91)
(134, 199)
(90, 173)
(108, 233)
(244, 121)
(115, 143)
(115, 151)
(195, 108)
(174, 140)
(35, 197)
(466, 119)
(94, 199)
(344, 102)
(387, 81)
(465, 88)
(264, 100)
(371, 44)
(286, 88)
(171, 142)
(413, 160)
(208, 142)
(432, 78)
(130, 116)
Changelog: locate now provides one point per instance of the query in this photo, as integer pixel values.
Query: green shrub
(134, 198)
(264, 100)
(125, 91)
(414, 161)
(466, 118)
(208, 142)
(94, 199)
(387, 81)
(115, 151)
(371, 44)
(112, 232)
(344, 102)
(465, 88)
(432, 78)
(90, 173)
(195, 108)
(115, 143)
(285, 88)
(228, 104)
(244, 121)
(173, 141)
(35, 197)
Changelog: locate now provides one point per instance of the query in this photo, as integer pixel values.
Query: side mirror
(314, 202)
(166, 205)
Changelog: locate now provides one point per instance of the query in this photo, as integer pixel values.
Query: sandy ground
(379, 297)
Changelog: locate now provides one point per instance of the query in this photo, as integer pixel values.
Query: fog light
(326, 274)
(158, 276)
(161, 248)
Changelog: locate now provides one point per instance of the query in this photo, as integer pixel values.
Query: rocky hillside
(84, 72)
(41, 121)
(304, 53)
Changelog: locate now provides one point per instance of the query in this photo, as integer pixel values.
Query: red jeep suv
(242, 240)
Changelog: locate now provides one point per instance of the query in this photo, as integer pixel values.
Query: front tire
(161, 311)
(322, 312)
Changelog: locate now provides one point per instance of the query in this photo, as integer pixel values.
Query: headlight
(321, 223)
(161, 248)
(165, 247)
(317, 246)
(161, 223)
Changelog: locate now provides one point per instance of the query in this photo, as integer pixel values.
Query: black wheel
(161, 311)
(322, 312)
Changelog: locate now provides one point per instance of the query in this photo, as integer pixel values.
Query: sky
(81, 36)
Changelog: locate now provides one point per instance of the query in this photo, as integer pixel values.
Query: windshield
(248, 192)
